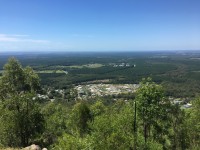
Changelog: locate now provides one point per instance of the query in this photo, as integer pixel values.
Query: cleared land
(86, 66)
(51, 71)
(105, 89)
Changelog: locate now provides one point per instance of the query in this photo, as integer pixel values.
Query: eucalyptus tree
(17, 80)
(151, 108)
(20, 115)
(79, 118)
(193, 124)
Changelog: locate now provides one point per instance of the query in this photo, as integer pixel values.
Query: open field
(86, 66)
(51, 71)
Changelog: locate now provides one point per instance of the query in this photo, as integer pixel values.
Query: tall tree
(80, 117)
(150, 106)
(193, 124)
(16, 79)
(20, 115)
(32, 83)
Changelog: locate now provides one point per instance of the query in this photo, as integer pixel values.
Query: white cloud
(19, 38)
(6, 38)
(16, 42)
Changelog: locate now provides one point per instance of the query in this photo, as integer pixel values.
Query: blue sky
(99, 25)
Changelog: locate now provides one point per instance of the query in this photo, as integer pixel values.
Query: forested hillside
(147, 121)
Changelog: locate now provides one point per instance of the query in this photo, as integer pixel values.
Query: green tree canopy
(16, 79)
(20, 117)
(151, 108)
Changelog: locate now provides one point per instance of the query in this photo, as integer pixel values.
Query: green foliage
(151, 107)
(150, 122)
(56, 116)
(16, 80)
(21, 120)
(193, 124)
(98, 108)
(178, 130)
(13, 76)
(109, 129)
(79, 118)
(31, 80)
(71, 142)
(180, 73)
(113, 129)
(20, 117)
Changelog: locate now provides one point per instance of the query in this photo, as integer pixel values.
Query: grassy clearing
(50, 71)
(86, 66)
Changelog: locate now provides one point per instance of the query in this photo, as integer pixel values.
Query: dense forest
(148, 121)
(178, 72)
